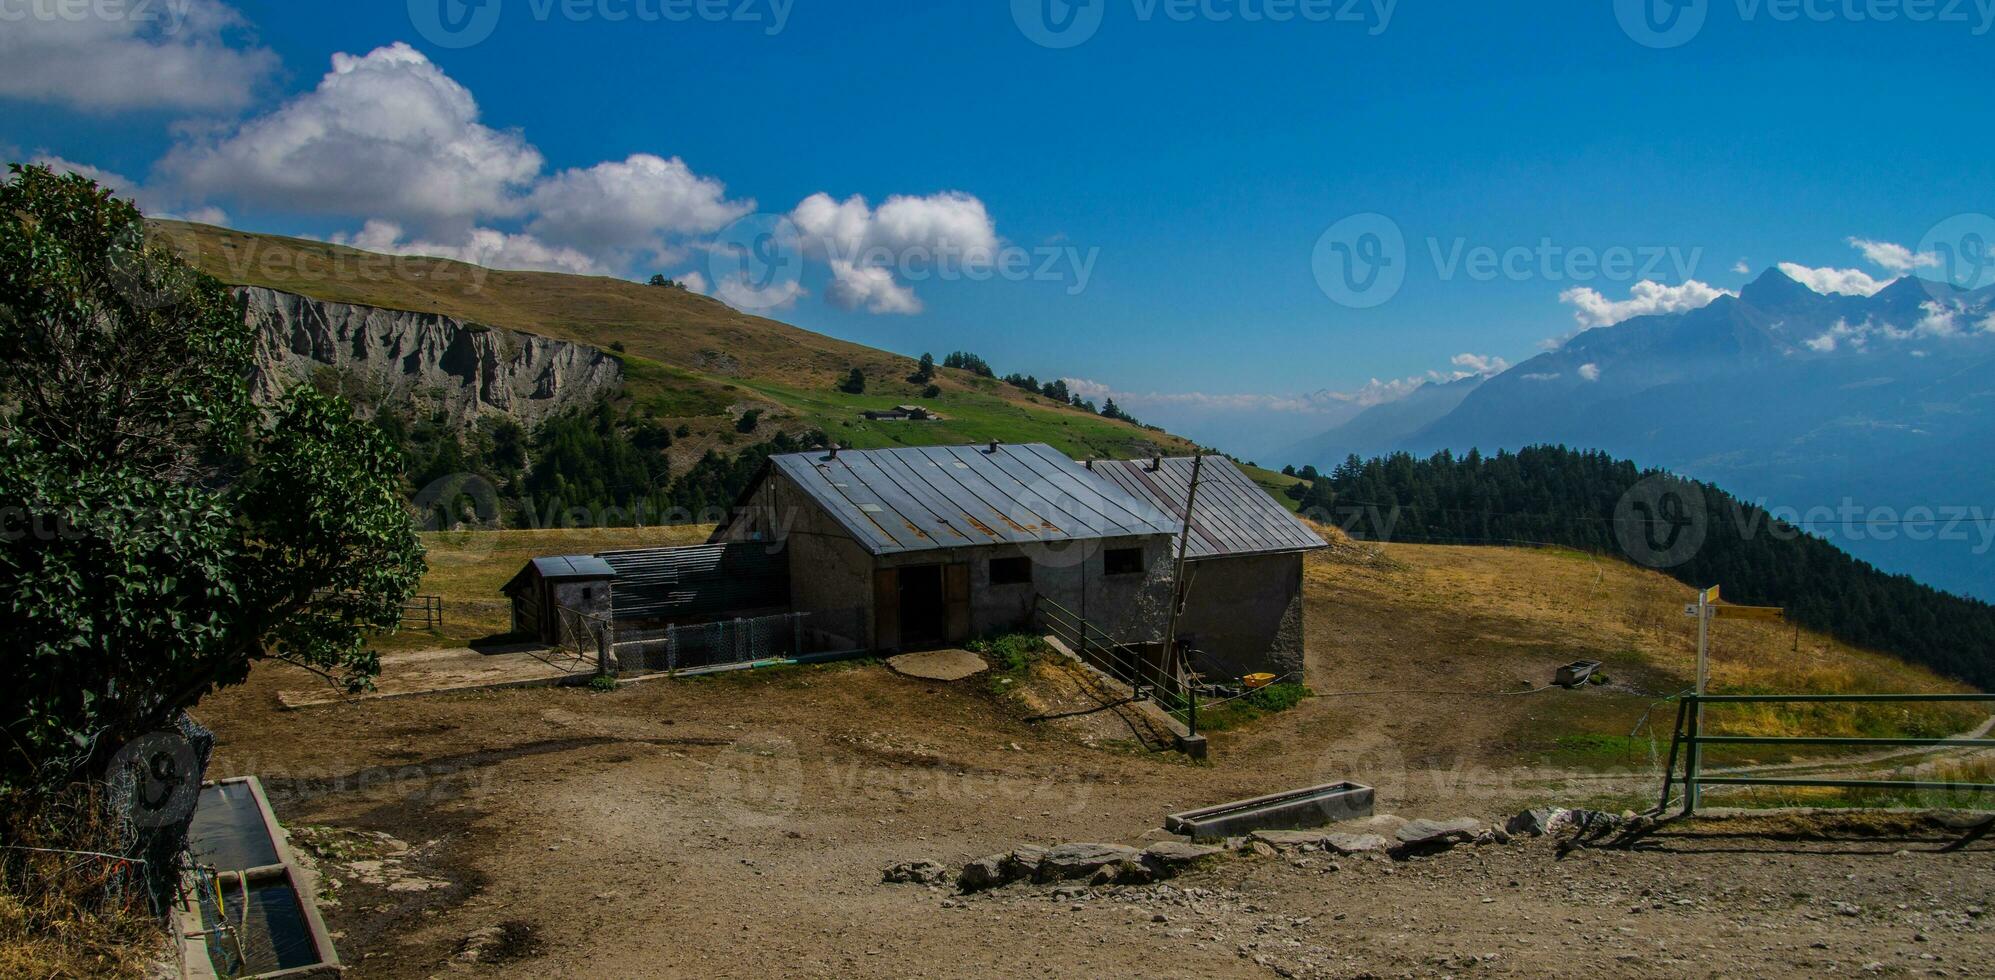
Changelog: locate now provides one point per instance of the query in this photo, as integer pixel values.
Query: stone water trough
(1299, 809)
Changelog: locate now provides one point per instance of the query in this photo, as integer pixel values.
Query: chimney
(834, 451)
(993, 450)
(1156, 463)
(1088, 462)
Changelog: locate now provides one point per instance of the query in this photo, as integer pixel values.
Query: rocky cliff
(428, 361)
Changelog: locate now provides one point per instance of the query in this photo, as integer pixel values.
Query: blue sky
(1187, 156)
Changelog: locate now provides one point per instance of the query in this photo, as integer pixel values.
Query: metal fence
(423, 612)
(729, 642)
(1164, 677)
(1689, 741)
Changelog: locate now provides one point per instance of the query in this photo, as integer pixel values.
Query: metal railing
(1688, 742)
(720, 643)
(1165, 679)
(423, 612)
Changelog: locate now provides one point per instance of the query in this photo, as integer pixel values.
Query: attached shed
(928, 546)
(1243, 563)
(581, 582)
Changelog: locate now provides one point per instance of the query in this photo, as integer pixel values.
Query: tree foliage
(161, 534)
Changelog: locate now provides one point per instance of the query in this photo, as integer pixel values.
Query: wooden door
(956, 593)
(886, 609)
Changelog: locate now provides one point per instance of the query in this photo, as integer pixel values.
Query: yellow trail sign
(1711, 594)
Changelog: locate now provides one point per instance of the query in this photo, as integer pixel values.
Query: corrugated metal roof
(918, 499)
(1235, 515)
(573, 566)
(697, 580)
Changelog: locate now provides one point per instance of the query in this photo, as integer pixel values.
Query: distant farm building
(898, 549)
(901, 413)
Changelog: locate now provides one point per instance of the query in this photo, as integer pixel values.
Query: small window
(1122, 561)
(1011, 571)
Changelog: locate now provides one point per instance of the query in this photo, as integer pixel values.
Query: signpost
(1705, 608)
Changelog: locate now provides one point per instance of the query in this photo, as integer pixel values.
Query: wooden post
(1178, 590)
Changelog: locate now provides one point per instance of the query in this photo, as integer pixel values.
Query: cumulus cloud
(694, 280)
(152, 201)
(1742, 268)
(630, 205)
(487, 247)
(868, 249)
(385, 134)
(737, 291)
(1473, 364)
(1894, 257)
(1847, 282)
(1589, 372)
(1592, 309)
(187, 54)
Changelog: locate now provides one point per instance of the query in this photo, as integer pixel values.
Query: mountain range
(1878, 407)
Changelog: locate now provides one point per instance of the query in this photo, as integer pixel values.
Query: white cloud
(1742, 268)
(154, 203)
(486, 247)
(738, 292)
(1590, 372)
(386, 133)
(111, 57)
(1592, 309)
(694, 280)
(1554, 376)
(1473, 364)
(941, 234)
(630, 205)
(1894, 257)
(1847, 282)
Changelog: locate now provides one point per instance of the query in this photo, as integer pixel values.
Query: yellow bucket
(1258, 680)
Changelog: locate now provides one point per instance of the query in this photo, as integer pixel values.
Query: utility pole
(1178, 590)
(1704, 598)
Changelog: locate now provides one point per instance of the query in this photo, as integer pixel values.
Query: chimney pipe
(1156, 463)
(834, 451)
(993, 450)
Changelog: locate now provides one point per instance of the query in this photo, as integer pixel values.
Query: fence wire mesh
(734, 641)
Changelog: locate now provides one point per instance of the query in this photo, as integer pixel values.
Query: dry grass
(1632, 619)
(60, 914)
(467, 568)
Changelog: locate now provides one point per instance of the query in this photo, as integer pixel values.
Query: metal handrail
(1122, 660)
(1687, 737)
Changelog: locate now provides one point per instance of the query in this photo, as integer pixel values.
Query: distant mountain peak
(1774, 290)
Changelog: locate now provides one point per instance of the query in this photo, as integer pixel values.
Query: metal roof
(923, 498)
(573, 566)
(1235, 515)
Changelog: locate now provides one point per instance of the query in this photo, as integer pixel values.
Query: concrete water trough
(1298, 809)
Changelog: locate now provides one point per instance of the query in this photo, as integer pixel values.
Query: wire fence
(742, 640)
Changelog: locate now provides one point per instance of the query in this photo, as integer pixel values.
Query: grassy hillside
(689, 360)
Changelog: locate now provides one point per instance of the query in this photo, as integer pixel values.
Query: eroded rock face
(428, 360)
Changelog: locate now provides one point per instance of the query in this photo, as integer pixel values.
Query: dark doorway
(923, 611)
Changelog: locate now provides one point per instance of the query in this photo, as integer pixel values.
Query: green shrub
(603, 682)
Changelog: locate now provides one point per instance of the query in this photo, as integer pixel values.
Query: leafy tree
(1288, 470)
(925, 371)
(748, 421)
(1056, 390)
(932, 391)
(854, 383)
(164, 535)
